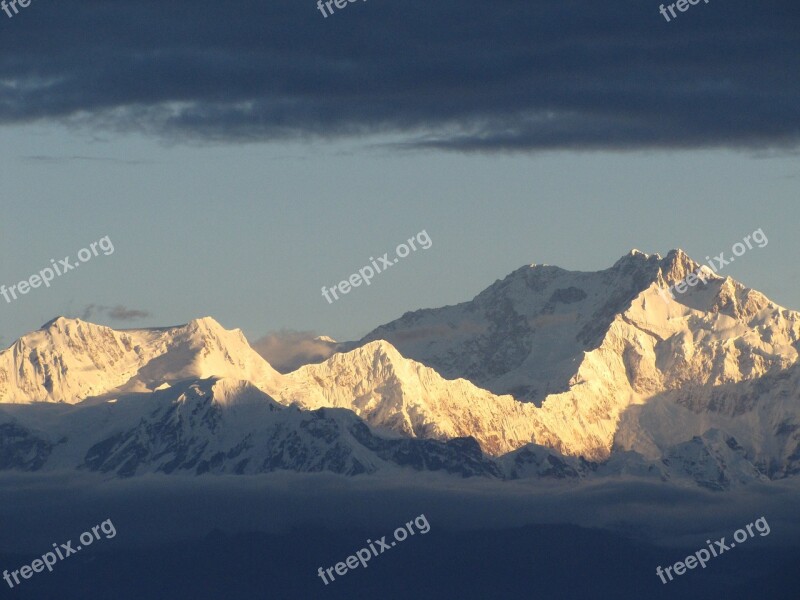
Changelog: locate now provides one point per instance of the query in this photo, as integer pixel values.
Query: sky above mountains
(241, 159)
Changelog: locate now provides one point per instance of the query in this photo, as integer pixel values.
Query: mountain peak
(381, 346)
(69, 360)
(636, 252)
(676, 265)
(636, 259)
(60, 322)
(206, 323)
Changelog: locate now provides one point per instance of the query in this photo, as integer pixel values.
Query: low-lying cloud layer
(287, 350)
(191, 507)
(511, 75)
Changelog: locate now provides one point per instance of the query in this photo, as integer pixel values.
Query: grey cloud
(511, 75)
(76, 158)
(287, 351)
(37, 508)
(116, 313)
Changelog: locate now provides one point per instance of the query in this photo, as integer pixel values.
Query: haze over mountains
(551, 373)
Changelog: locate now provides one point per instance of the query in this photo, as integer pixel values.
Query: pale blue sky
(250, 233)
(600, 130)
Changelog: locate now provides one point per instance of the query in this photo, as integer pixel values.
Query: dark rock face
(462, 456)
(545, 463)
(21, 450)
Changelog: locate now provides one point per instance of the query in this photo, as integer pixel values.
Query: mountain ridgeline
(548, 374)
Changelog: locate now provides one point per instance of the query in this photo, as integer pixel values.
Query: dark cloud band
(471, 76)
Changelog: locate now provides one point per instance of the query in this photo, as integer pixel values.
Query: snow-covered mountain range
(547, 373)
